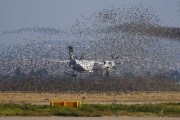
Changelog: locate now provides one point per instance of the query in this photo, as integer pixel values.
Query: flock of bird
(131, 34)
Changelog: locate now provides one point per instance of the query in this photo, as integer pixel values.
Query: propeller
(118, 61)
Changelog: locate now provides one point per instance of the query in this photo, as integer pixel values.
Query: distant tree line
(40, 81)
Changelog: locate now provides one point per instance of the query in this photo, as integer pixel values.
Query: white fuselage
(93, 65)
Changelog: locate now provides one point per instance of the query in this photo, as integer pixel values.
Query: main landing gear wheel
(73, 75)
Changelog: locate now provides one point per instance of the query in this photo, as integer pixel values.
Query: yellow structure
(70, 104)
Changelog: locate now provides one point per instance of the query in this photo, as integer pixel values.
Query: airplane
(89, 66)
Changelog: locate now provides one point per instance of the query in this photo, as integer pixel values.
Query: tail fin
(70, 50)
(72, 56)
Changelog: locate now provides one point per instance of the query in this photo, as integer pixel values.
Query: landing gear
(73, 75)
(105, 73)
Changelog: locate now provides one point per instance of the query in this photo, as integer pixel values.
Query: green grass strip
(164, 109)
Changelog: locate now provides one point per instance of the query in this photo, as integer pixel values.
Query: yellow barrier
(70, 104)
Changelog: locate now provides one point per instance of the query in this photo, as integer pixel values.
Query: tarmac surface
(87, 118)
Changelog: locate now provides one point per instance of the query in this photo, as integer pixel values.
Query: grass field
(22, 104)
(92, 110)
(18, 97)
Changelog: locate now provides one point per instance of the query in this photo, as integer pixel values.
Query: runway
(87, 118)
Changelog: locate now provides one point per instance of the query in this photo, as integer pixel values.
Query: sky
(60, 14)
